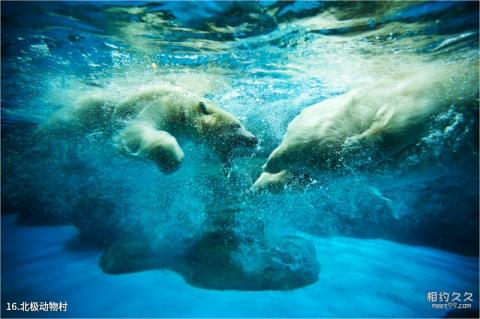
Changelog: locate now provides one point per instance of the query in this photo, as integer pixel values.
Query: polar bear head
(221, 130)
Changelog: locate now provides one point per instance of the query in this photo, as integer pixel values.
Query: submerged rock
(442, 213)
(128, 255)
(288, 264)
(216, 262)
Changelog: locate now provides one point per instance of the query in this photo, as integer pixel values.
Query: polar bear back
(384, 117)
(159, 105)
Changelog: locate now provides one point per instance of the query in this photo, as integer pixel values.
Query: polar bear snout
(246, 138)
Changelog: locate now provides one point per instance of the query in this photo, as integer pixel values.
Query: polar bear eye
(236, 126)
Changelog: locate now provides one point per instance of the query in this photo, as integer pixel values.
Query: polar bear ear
(203, 107)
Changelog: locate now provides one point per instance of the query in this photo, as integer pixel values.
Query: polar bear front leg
(141, 139)
(273, 182)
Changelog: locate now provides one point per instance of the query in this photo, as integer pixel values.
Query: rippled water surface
(385, 233)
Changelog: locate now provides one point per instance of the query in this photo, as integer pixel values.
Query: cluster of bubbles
(265, 66)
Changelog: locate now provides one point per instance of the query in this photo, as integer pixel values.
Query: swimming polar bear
(147, 122)
(378, 120)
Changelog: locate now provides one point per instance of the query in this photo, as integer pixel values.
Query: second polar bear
(146, 124)
(375, 121)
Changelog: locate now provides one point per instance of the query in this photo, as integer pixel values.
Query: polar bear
(146, 123)
(376, 121)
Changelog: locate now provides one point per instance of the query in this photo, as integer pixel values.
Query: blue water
(359, 278)
(385, 234)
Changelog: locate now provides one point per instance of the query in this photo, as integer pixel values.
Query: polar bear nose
(249, 138)
(245, 138)
(250, 141)
(253, 141)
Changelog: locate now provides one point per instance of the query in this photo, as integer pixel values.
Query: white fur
(385, 118)
(145, 122)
